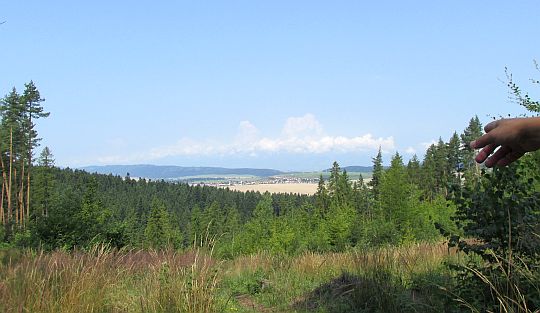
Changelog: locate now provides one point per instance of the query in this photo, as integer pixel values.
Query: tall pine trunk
(2, 213)
(28, 170)
(20, 205)
(10, 207)
(4, 183)
(15, 191)
(28, 192)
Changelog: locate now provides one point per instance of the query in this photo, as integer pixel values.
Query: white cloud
(304, 126)
(410, 150)
(299, 135)
(426, 145)
(247, 133)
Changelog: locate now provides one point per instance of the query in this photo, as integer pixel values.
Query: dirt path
(248, 302)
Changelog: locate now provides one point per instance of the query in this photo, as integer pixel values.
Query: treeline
(52, 208)
(44, 206)
(491, 214)
(48, 207)
(85, 208)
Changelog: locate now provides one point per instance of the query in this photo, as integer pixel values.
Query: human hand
(512, 137)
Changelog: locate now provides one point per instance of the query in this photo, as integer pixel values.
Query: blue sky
(292, 85)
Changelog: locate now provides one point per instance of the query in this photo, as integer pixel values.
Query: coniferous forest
(438, 234)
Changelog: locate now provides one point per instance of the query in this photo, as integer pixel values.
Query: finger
(489, 127)
(509, 158)
(483, 141)
(484, 153)
(499, 154)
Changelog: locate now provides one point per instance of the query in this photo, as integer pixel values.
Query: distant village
(265, 181)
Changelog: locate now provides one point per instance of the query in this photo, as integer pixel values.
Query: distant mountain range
(176, 172)
(180, 172)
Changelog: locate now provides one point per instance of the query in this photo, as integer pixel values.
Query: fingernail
(472, 144)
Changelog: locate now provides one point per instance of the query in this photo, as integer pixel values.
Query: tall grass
(105, 280)
(398, 279)
(510, 285)
(394, 279)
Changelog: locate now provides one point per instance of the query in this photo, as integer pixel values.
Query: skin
(513, 138)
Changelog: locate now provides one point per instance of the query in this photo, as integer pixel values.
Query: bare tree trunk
(21, 196)
(28, 192)
(2, 213)
(10, 207)
(29, 167)
(16, 206)
(4, 181)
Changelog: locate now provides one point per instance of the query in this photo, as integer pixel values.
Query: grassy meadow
(405, 279)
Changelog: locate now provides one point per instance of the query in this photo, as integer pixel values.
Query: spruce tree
(429, 172)
(413, 171)
(454, 162)
(159, 232)
(44, 182)
(472, 132)
(378, 172)
(333, 181)
(441, 167)
(321, 197)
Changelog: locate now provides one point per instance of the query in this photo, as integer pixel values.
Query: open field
(326, 175)
(300, 188)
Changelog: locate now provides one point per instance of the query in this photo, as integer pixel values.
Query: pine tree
(19, 113)
(33, 110)
(196, 227)
(344, 195)
(258, 230)
(396, 198)
(472, 132)
(413, 171)
(212, 220)
(429, 172)
(44, 181)
(94, 219)
(159, 232)
(441, 167)
(321, 198)
(394, 190)
(11, 110)
(454, 162)
(333, 181)
(378, 172)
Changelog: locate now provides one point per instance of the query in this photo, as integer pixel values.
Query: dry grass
(418, 257)
(299, 188)
(104, 280)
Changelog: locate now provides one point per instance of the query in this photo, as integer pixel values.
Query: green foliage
(523, 99)
(502, 209)
(473, 131)
(499, 212)
(93, 217)
(378, 171)
(258, 230)
(159, 233)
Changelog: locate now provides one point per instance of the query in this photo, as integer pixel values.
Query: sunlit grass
(398, 279)
(103, 280)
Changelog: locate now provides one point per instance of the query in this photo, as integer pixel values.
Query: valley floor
(299, 188)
